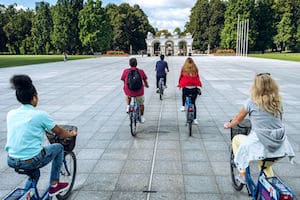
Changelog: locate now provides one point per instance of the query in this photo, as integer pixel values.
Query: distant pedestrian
(65, 56)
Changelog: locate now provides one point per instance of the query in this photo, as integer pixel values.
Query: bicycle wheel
(68, 174)
(160, 93)
(190, 127)
(132, 124)
(234, 173)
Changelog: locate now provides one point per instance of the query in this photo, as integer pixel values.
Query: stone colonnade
(173, 45)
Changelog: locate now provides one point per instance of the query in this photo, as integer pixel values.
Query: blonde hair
(189, 68)
(265, 93)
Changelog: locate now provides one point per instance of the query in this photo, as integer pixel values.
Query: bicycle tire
(160, 95)
(234, 172)
(68, 174)
(190, 128)
(132, 125)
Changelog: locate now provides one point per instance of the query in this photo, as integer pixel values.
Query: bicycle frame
(161, 87)
(31, 193)
(134, 110)
(190, 110)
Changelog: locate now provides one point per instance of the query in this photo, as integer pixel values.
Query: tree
(130, 27)
(245, 9)
(164, 32)
(65, 34)
(198, 24)
(216, 22)
(41, 29)
(17, 28)
(95, 29)
(265, 19)
(287, 17)
(3, 20)
(177, 30)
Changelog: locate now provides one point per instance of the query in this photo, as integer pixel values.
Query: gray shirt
(269, 128)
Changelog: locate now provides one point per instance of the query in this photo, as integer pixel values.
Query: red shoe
(60, 187)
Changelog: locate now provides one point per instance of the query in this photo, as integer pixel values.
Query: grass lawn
(18, 60)
(279, 56)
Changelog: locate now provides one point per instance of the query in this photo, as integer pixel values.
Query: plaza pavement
(162, 158)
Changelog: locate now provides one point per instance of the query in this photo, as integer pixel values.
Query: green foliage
(163, 32)
(65, 34)
(245, 9)
(17, 28)
(130, 27)
(95, 29)
(41, 29)
(265, 19)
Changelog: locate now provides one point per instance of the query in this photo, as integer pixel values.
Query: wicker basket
(242, 128)
(67, 142)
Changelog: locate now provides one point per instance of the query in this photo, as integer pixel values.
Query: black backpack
(134, 80)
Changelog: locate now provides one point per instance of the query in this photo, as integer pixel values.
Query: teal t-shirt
(25, 131)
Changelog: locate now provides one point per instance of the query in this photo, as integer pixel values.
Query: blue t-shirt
(25, 131)
(161, 67)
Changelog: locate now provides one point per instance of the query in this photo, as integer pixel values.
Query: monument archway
(172, 45)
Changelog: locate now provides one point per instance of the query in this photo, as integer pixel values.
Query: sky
(162, 14)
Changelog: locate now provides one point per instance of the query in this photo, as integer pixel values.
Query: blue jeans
(53, 152)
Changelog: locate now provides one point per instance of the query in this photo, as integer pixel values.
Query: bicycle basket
(242, 128)
(67, 142)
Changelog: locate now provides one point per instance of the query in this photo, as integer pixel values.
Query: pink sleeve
(123, 75)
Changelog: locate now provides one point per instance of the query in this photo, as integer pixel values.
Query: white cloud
(166, 14)
(20, 7)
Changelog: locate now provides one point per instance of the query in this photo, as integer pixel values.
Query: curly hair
(25, 90)
(189, 68)
(265, 93)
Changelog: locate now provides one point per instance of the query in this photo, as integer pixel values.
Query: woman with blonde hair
(267, 138)
(190, 83)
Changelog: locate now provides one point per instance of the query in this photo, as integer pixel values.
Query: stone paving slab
(113, 165)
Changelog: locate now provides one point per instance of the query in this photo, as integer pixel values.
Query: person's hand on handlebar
(227, 125)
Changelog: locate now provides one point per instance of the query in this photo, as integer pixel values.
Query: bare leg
(127, 99)
(142, 107)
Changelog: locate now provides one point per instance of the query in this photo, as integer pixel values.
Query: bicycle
(189, 107)
(134, 116)
(266, 187)
(67, 173)
(161, 87)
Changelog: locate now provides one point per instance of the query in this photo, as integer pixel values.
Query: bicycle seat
(27, 172)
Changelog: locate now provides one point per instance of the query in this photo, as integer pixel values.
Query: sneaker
(195, 121)
(157, 90)
(143, 119)
(241, 179)
(182, 109)
(60, 187)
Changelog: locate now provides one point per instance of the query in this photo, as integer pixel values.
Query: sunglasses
(260, 74)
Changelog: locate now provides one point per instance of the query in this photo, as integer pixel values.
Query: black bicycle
(69, 167)
(161, 87)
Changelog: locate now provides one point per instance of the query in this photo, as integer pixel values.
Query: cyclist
(190, 83)
(161, 68)
(137, 93)
(267, 138)
(25, 133)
